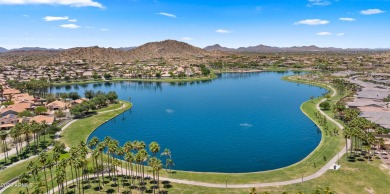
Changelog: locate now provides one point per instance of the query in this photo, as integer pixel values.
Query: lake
(239, 122)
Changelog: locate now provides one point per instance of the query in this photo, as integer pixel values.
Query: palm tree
(95, 156)
(153, 164)
(115, 162)
(3, 137)
(32, 167)
(154, 148)
(129, 157)
(158, 167)
(167, 154)
(78, 165)
(26, 131)
(24, 179)
(170, 164)
(63, 164)
(35, 130)
(42, 158)
(347, 135)
(93, 142)
(14, 133)
(50, 165)
(100, 147)
(56, 157)
(60, 177)
(120, 152)
(128, 147)
(39, 186)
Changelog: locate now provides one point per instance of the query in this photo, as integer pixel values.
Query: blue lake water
(239, 122)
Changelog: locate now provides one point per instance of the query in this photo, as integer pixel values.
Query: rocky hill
(167, 49)
(170, 51)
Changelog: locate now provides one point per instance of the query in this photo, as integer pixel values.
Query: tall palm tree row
(122, 164)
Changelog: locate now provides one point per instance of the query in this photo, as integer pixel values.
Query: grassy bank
(81, 129)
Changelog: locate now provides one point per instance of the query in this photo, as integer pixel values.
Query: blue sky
(123, 23)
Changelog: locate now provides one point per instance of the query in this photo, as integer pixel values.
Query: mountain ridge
(264, 48)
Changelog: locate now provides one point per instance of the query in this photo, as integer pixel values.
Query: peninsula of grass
(82, 128)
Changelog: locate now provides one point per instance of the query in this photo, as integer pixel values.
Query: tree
(39, 186)
(24, 179)
(325, 105)
(3, 137)
(205, 71)
(95, 76)
(50, 98)
(33, 168)
(40, 109)
(107, 76)
(50, 165)
(59, 114)
(25, 113)
(67, 78)
(42, 158)
(89, 94)
(154, 148)
(74, 95)
(14, 133)
(112, 96)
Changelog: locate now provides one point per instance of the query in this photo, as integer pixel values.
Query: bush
(25, 113)
(325, 105)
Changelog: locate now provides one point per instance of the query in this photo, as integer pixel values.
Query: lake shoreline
(246, 173)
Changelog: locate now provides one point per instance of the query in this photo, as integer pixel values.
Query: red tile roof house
(8, 121)
(15, 109)
(56, 105)
(43, 119)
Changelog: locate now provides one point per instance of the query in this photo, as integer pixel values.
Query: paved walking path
(317, 174)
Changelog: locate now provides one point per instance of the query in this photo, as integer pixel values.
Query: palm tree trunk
(101, 161)
(47, 188)
(51, 176)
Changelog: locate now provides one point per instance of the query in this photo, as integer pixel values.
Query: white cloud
(324, 33)
(371, 11)
(70, 26)
(319, 3)
(186, 38)
(72, 20)
(72, 3)
(347, 19)
(223, 31)
(340, 34)
(55, 18)
(167, 14)
(104, 29)
(312, 22)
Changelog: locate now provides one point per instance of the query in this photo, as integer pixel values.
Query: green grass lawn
(81, 129)
(111, 107)
(351, 178)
